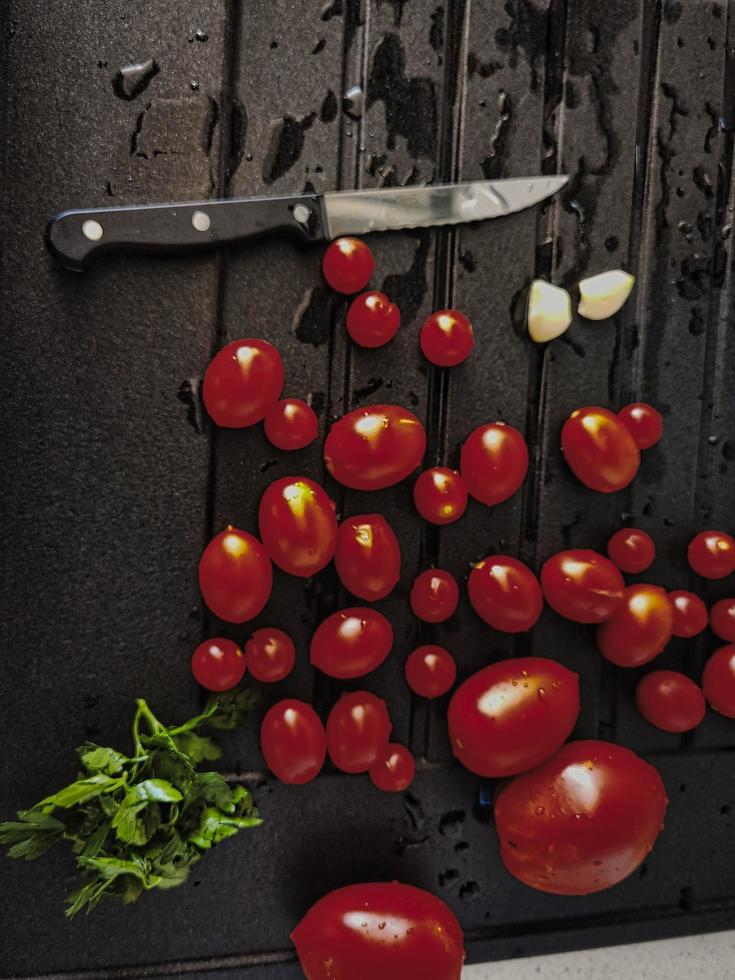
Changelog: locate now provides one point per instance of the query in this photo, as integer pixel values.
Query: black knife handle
(73, 237)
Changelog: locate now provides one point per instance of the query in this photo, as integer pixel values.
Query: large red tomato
(368, 556)
(358, 729)
(582, 821)
(293, 741)
(241, 383)
(235, 575)
(639, 629)
(582, 585)
(298, 525)
(351, 642)
(512, 715)
(505, 593)
(375, 447)
(379, 930)
(494, 462)
(718, 680)
(599, 449)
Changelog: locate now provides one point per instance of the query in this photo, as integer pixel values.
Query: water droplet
(200, 36)
(524, 673)
(540, 811)
(541, 692)
(131, 80)
(713, 440)
(248, 157)
(381, 925)
(353, 102)
(194, 86)
(515, 683)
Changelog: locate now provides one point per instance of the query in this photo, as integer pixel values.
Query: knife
(73, 237)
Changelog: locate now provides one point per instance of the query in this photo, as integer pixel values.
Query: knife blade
(73, 237)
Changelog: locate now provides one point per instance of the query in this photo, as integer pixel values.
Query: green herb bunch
(141, 822)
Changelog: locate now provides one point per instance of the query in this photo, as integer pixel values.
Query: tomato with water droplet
(440, 495)
(351, 642)
(434, 595)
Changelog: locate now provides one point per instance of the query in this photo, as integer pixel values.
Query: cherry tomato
(440, 495)
(430, 671)
(358, 729)
(447, 338)
(385, 930)
(218, 664)
(711, 554)
(599, 449)
(434, 595)
(298, 525)
(631, 549)
(670, 701)
(718, 680)
(372, 320)
(582, 585)
(293, 741)
(235, 575)
(505, 593)
(494, 462)
(270, 655)
(351, 642)
(291, 424)
(368, 556)
(512, 715)
(643, 422)
(394, 769)
(582, 821)
(640, 628)
(373, 448)
(241, 383)
(722, 619)
(348, 265)
(690, 613)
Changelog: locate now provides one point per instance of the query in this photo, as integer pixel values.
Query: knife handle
(73, 237)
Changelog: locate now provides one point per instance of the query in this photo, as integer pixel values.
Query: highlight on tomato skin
(643, 422)
(235, 575)
(372, 320)
(505, 593)
(358, 729)
(632, 550)
(582, 585)
(722, 619)
(440, 495)
(242, 382)
(298, 525)
(218, 664)
(640, 629)
(670, 701)
(718, 681)
(394, 769)
(348, 265)
(599, 449)
(434, 595)
(690, 614)
(493, 462)
(711, 554)
(368, 556)
(291, 424)
(293, 741)
(351, 642)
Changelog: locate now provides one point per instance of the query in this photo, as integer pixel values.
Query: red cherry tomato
(394, 769)
(241, 383)
(582, 821)
(373, 448)
(348, 265)
(722, 619)
(582, 585)
(351, 642)
(711, 554)
(270, 655)
(368, 556)
(643, 422)
(505, 593)
(385, 930)
(718, 680)
(512, 715)
(599, 449)
(447, 338)
(631, 549)
(690, 613)
(218, 664)
(298, 525)
(640, 628)
(434, 595)
(430, 671)
(291, 424)
(440, 495)
(235, 575)
(293, 741)
(358, 729)
(670, 701)
(494, 462)
(372, 320)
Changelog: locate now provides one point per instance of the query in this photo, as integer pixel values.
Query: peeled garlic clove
(603, 295)
(549, 311)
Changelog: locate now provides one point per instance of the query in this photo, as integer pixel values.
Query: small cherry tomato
(690, 613)
(718, 680)
(582, 585)
(270, 655)
(351, 642)
(505, 593)
(291, 424)
(218, 664)
(434, 595)
(711, 554)
(241, 383)
(640, 628)
(599, 449)
(670, 701)
(298, 525)
(372, 320)
(440, 495)
(235, 575)
(368, 556)
(446, 338)
(358, 729)
(494, 462)
(293, 741)
(430, 671)
(512, 715)
(722, 619)
(582, 821)
(373, 448)
(348, 265)
(394, 769)
(643, 422)
(631, 549)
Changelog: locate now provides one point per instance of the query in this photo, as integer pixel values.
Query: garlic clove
(549, 311)
(601, 296)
